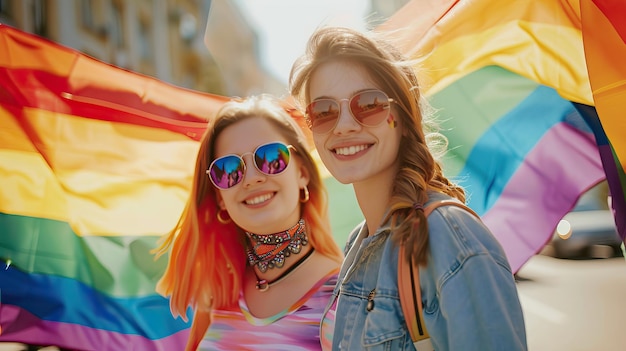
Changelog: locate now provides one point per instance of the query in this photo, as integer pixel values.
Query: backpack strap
(409, 287)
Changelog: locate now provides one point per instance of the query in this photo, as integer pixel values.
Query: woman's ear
(303, 175)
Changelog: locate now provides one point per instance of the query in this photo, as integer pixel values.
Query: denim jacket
(468, 291)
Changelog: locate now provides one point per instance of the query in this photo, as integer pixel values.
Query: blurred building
(159, 38)
(204, 45)
(234, 45)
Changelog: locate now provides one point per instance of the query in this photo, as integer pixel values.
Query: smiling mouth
(350, 150)
(259, 199)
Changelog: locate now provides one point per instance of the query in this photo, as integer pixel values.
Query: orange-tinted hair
(206, 257)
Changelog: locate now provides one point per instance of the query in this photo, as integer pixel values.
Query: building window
(5, 8)
(92, 17)
(117, 25)
(6, 12)
(146, 46)
(40, 21)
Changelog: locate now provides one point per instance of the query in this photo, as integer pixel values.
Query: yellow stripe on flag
(559, 68)
(103, 178)
(540, 40)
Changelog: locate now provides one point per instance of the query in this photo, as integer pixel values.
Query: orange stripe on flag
(605, 52)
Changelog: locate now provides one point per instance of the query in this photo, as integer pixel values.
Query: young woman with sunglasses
(253, 254)
(367, 116)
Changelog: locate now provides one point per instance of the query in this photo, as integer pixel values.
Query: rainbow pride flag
(95, 165)
(531, 95)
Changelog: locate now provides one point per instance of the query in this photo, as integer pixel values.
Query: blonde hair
(386, 67)
(207, 258)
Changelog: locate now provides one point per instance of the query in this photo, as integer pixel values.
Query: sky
(285, 25)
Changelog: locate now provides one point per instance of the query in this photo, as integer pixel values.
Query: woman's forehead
(338, 80)
(246, 135)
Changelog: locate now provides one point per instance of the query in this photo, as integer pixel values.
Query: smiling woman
(464, 276)
(253, 254)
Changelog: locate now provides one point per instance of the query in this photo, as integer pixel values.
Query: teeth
(346, 151)
(258, 199)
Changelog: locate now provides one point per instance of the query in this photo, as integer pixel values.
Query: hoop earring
(306, 194)
(222, 219)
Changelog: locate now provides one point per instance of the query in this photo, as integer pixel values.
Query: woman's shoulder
(321, 291)
(447, 211)
(321, 273)
(459, 224)
(460, 233)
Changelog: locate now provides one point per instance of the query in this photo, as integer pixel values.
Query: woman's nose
(345, 121)
(252, 175)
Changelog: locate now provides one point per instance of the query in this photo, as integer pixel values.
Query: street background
(568, 304)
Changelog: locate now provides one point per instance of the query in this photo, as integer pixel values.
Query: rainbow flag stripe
(95, 165)
(512, 81)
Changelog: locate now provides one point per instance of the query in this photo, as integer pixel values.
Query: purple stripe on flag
(19, 325)
(563, 164)
(618, 195)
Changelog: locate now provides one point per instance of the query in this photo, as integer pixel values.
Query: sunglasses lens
(370, 108)
(272, 158)
(322, 115)
(227, 171)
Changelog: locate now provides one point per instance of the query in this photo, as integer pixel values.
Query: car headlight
(564, 229)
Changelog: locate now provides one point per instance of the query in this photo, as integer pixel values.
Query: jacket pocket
(384, 326)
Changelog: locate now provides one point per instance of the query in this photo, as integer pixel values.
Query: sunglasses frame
(289, 148)
(309, 122)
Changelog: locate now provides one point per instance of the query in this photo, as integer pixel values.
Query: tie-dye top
(295, 328)
(328, 325)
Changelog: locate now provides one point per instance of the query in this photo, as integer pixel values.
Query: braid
(419, 172)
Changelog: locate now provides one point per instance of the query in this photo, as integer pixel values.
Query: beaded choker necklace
(269, 251)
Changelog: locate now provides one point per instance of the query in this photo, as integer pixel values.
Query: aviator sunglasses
(369, 108)
(270, 159)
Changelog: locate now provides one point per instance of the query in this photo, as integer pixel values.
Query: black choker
(264, 284)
